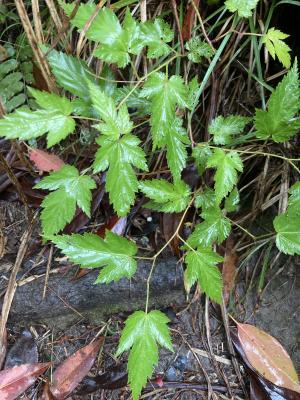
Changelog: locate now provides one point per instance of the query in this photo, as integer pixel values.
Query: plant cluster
(167, 102)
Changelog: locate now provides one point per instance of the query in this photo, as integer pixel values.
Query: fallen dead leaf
(71, 372)
(44, 161)
(229, 269)
(268, 357)
(14, 381)
(189, 20)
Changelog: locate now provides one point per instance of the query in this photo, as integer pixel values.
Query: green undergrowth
(164, 102)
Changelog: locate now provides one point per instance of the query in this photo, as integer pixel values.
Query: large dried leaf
(260, 387)
(71, 372)
(268, 357)
(45, 161)
(14, 381)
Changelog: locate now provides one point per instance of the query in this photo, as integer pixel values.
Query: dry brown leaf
(14, 381)
(71, 372)
(44, 161)
(268, 357)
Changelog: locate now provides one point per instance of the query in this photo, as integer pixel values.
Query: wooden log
(68, 301)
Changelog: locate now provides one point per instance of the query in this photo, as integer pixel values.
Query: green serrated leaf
(227, 164)
(193, 87)
(119, 156)
(58, 210)
(176, 142)
(142, 333)
(223, 128)
(164, 95)
(206, 199)
(24, 124)
(70, 189)
(156, 34)
(119, 152)
(214, 228)
(294, 191)
(114, 254)
(197, 49)
(232, 201)
(167, 197)
(201, 154)
(242, 7)
(201, 267)
(275, 45)
(133, 99)
(71, 74)
(279, 121)
(287, 227)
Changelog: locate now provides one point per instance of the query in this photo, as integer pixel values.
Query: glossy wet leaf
(114, 254)
(155, 35)
(215, 228)
(287, 227)
(44, 161)
(244, 8)
(14, 381)
(166, 196)
(224, 129)
(202, 268)
(164, 93)
(72, 371)
(25, 124)
(69, 189)
(275, 45)
(71, 74)
(227, 165)
(119, 152)
(279, 121)
(142, 334)
(268, 357)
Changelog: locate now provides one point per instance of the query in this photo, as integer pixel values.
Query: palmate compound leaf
(116, 41)
(215, 228)
(280, 121)
(142, 333)
(69, 189)
(166, 129)
(223, 128)
(155, 35)
(54, 118)
(114, 254)
(166, 196)
(275, 45)
(227, 164)
(119, 152)
(165, 94)
(201, 268)
(242, 7)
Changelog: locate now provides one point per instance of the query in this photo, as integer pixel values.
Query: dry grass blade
(32, 39)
